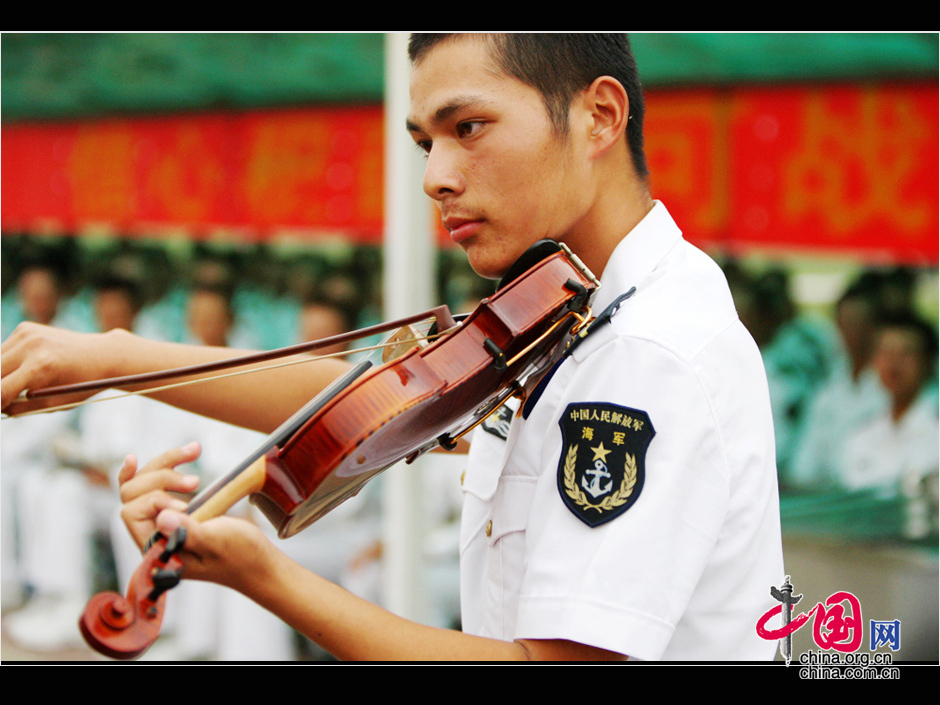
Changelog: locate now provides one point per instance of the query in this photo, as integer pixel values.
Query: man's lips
(461, 228)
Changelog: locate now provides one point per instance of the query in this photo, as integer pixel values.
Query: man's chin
(488, 270)
(483, 261)
(493, 263)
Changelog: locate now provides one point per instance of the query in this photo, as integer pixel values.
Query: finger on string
(159, 474)
(139, 516)
(166, 480)
(173, 457)
(147, 507)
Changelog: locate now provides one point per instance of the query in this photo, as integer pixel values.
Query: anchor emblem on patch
(603, 459)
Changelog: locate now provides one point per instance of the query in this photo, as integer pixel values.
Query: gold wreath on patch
(611, 501)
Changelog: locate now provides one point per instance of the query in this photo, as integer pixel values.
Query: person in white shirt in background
(852, 396)
(28, 460)
(207, 621)
(897, 452)
(27, 453)
(82, 495)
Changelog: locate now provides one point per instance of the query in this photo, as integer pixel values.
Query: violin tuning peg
(173, 544)
(163, 580)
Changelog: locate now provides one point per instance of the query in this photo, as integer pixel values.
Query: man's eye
(424, 146)
(468, 129)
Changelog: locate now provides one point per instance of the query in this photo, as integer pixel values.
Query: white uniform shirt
(840, 408)
(684, 573)
(879, 455)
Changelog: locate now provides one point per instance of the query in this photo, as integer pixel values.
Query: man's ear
(609, 107)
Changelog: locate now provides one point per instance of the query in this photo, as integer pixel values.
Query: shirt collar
(638, 255)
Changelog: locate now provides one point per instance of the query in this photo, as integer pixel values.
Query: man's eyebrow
(446, 110)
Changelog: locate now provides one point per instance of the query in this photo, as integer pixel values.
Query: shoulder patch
(603, 459)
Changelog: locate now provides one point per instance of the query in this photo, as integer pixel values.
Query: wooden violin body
(406, 406)
(372, 418)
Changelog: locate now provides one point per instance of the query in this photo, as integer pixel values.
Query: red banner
(836, 169)
(815, 169)
(311, 169)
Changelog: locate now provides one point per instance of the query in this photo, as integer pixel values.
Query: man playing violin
(630, 509)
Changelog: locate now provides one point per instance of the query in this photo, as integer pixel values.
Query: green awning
(55, 76)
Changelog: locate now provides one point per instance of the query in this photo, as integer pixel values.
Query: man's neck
(619, 212)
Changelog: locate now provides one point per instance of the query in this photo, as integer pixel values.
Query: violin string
(165, 387)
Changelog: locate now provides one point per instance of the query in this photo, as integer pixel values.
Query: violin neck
(223, 496)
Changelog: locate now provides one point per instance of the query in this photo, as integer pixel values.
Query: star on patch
(603, 459)
(600, 453)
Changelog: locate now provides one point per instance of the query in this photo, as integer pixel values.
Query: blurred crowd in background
(62, 537)
(854, 393)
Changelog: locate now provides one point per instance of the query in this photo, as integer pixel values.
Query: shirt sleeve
(623, 582)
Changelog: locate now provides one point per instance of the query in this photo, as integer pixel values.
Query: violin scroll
(125, 627)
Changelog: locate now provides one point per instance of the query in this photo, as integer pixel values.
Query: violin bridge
(400, 342)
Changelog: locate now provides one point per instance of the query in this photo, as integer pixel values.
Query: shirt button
(489, 528)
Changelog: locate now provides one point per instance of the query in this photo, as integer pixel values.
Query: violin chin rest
(531, 257)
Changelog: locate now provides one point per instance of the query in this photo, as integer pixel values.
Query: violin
(374, 416)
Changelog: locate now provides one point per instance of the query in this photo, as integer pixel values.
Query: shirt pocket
(506, 547)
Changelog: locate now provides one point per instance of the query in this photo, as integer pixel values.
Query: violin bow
(444, 321)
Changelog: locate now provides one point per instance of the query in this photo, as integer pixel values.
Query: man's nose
(442, 173)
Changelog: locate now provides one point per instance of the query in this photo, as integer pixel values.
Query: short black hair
(125, 285)
(866, 288)
(910, 322)
(560, 65)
